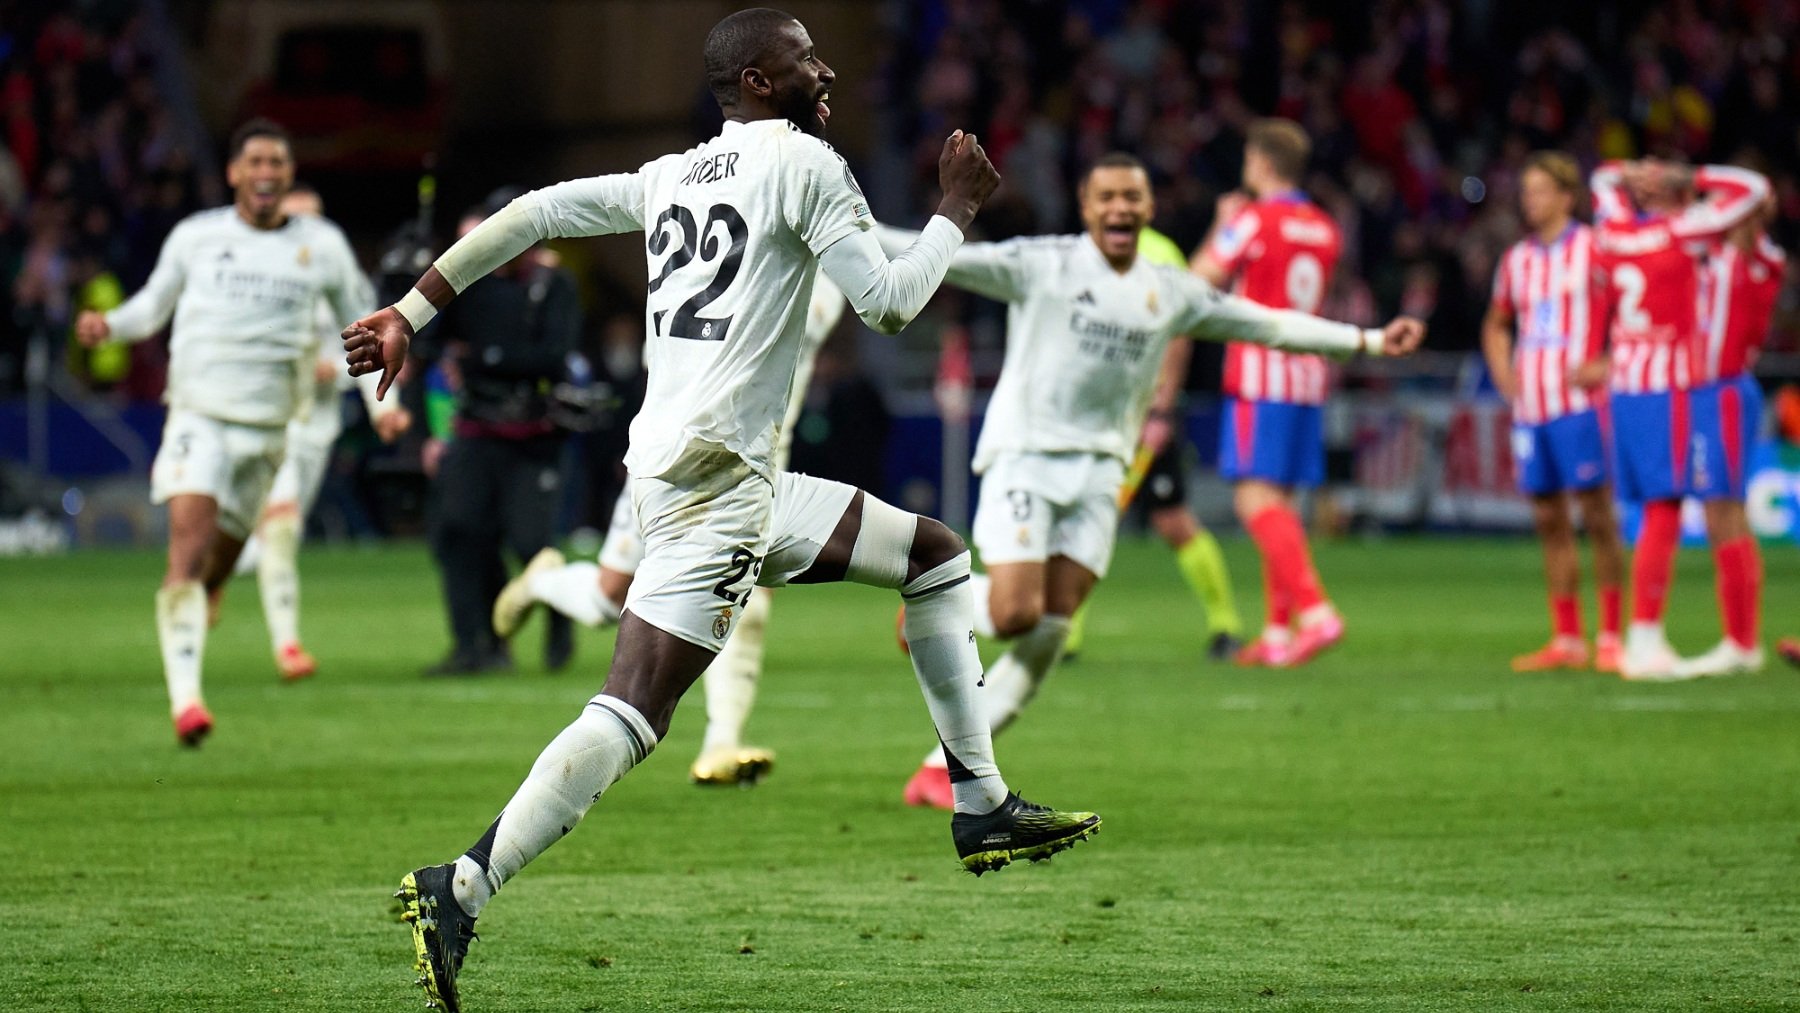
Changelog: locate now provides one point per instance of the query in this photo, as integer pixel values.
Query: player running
(243, 284)
(1158, 473)
(1088, 321)
(594, 594)
(1544, 291)
(1280, 248)
(1738, 288)
(273, 549)
(1645, 231)
(735, 229)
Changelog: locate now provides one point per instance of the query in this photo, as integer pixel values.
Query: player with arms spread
(1739, 285)
(1281, 248)
(1649, 229)
(1544, 289)
(1088, 324)
(243, 284)
(734, 232)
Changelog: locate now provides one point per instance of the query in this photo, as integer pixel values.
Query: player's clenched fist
(91, 329)
(378, 342)
(1402, 336)
(966, 176)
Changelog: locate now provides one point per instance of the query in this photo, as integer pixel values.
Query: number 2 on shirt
(702, 243)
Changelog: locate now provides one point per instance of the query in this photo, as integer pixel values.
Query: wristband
(1374, 341)
(415, 309)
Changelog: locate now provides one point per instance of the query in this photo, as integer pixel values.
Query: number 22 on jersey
(703, 261)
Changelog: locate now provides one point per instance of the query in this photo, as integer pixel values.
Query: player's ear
(755, 82)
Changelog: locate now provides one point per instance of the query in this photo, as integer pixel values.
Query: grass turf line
(1402, 826)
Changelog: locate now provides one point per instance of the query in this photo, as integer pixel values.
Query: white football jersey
(1084, 342)
(732, 233)
(244, 301)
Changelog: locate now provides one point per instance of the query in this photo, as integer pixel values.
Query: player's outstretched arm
(603, 205)
(150, 307)
(886, 294)
(1211, 315)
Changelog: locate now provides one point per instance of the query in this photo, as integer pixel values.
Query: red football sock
(1565, 615)
(1610, 610)
(1654, 559)
(1282, 541)
(1739, 582)
(1278, 602)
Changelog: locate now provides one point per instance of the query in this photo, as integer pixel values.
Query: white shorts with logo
(1034, 506)
(231, 463)
(706, 545)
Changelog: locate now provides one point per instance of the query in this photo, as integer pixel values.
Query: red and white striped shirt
(1650, 267)
(1737, 299)
(1548, 290)
(1282, 250)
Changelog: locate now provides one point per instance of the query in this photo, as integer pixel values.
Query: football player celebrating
(1648, 216)
(1088, 322)
(243, 284)
(1280, 249)
(1544, 290)
(735, 229)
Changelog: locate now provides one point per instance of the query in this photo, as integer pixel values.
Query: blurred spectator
(92, 177)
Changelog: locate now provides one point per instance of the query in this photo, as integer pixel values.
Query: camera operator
(501, 350)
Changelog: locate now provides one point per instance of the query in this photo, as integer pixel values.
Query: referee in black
(503, 345)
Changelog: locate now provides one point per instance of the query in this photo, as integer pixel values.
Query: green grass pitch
(1402, 826)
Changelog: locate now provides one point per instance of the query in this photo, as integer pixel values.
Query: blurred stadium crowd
(1421, 112)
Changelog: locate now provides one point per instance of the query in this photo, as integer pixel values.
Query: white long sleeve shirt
(1084, 342)
(243, 300)
(735, 230)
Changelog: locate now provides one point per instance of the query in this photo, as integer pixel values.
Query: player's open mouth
(1122, 233)
(822, 109)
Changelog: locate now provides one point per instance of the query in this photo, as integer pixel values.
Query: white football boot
(1727, 658)
(1649, 658)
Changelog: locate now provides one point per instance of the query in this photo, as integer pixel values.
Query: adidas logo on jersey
(1086, 296)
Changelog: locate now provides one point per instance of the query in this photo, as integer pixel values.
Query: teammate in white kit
(273, 550)
(735, 229)
(242, 283)
(593, 594)
(1088, 322)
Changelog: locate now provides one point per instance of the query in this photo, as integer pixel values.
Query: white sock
(181, 630)
(278, 578)
(938, 607)
(1014, 679)
(574, 590)
(731, 678)
(248, 558)
(980, 587)
(608, 739)
(1643, 636)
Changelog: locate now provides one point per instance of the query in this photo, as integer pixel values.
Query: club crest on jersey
(722, 625)
(1150, 302)
(305, 256)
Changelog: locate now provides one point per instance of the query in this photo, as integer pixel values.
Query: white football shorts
(1034, 506)
(623, 549)
(230, 463)
(707, 544)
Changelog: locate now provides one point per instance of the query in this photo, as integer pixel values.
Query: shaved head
(739, 41)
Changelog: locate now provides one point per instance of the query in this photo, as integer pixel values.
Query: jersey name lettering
(712, 170)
